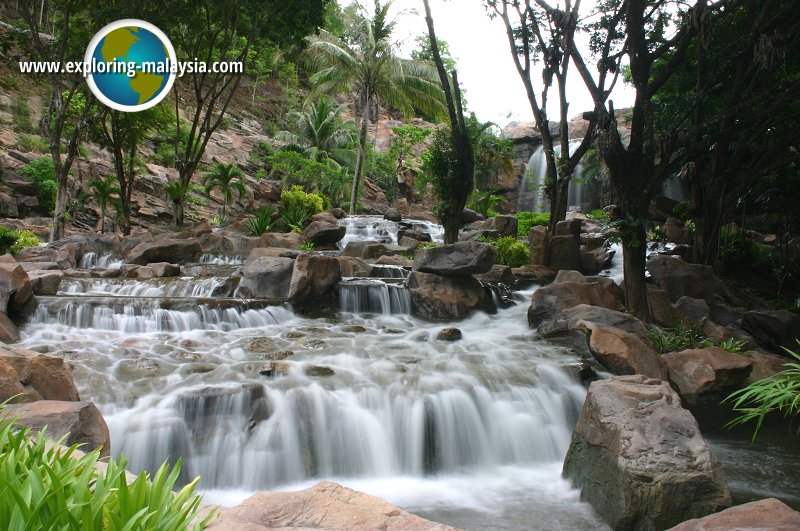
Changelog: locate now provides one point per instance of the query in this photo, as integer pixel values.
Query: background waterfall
(532, 191)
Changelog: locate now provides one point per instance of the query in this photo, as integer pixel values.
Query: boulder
(371, 250)
(163, 269)
(676, 231)
(392, 214)
(498, 274)
(7, 259)
(171, 251)
(692, 311)
(81, 422)
(761, 515)
(414, 234)
(34, 376)
(313, 282)
(565, 253)
(569, 227)
(16, 292)
(282, 240)
(590, 242)
(772, 328)
(449, 334)
(142, 273)
(539, 240)
(354, 267)
(679, 278)
(660, 306)
(269, 252)
(39, 266)
(765, 365)
(639, 458)
(568, 275)
(267, 278)
(45, 282)
(697, 371)
(328, 216)
(606, 317)
(9, 333)
(323, 233)
(396, 260)
(326, 505)
(554, 298)
(439, 298)
(624, 353)
(534, 273)
(456, 260)
(470, 216)
(504, 225)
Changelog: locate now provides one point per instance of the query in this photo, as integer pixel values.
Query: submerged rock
(639, 458)
(449, 334)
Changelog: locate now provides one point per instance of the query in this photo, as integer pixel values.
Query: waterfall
(221, 259)
(375, 228)
(161, 288)
(532, 196)
(388, 271)
(364, 296)
(92, 260)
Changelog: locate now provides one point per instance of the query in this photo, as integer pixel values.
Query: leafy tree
(492, 153)
(423, 51)
(365, 63)
(227, 178)
(105, 192)
(41, 172)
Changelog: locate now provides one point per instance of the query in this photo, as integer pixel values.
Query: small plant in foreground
(510, 251)
(307, 246)
(733, 345)
(261, 221)
(681, 337)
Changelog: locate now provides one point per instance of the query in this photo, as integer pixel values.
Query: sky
(486, 69)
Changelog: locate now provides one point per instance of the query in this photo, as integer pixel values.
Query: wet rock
(392, 214)
(80, 422)
(171, 251)
(34, 376)
(456, 260)
(773, 328)
(504, 225)
(371, 250)
(16, 291)
(137, 368)
(313, 282)
(548, 300)
(624, 353)
(354, 267)
(534, 273)
(449, 334)
(439, 298)
(281, 240)
(280, 355)
(323, 233)
(639, 458)
(539, 241)
(45, 282)
(163, 269)
(260, 345)
(397, 260)
(326, 505)
(353, 329)
(318, 371)
(9, 333)
(699, 371)
(692, 311)
(274, 368)
(765, 365)
(142, 273)
(607, 317)
(267, 278)
(565, 253)
(498, 274)
(269, 252)
(679, 278)
(414, 234)
(759, 515)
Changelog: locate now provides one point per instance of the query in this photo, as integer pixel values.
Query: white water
(367, 296)
(94, 261)
(471, 432)
(221, 259)
(532, 196)
(375, 228)
(181, 287)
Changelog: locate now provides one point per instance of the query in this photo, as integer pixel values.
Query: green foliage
(261, 221)
(599, 214)
(260, 154)
(737, 250)
(384, 168)
(492, 154)
(484, 202)
(297, 198)
(164, 141)
(41, 173)
(307, 246)
(49, 487)
(526, 220)
(510, 251)
(777, 393)
(176, 190)
(227, 178)
(8, 238)
(295, 169)
(321, 133)
(733, 345)
(21, 114)
(33, 143)
(682, 337)
(25, 239)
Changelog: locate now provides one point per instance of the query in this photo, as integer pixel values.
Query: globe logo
(130, 65)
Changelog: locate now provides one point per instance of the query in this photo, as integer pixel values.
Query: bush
(8, 238)
(41, 172)
(484, 202)
(681, 337)
(47, 487)
(298, 206)
(33, 143)
(510, 251)
(738, 251)
(25, 239)
(526, 220)
(261, 221)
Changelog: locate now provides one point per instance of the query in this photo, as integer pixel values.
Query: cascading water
(364, 296)
(470, 432)
(94, 261)
(221, 259)
(388, 271)
(375, 228)
(173, 287)
(532, 196)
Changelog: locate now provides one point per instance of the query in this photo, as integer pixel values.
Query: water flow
(532, 196)
(178, 287)
(94, 261)
(375, 228)
(367, 296)
(221, 259)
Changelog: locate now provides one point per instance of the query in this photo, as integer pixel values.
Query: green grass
(52, 487)
(510, 251)
(526, 220)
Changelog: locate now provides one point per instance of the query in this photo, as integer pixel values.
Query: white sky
(494, 90)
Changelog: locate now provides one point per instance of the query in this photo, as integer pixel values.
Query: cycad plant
(226, 178)
(105, 193)
(367, 66)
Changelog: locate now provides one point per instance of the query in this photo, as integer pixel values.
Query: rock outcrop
(639, 459)
(440, 298)
(573, 290)
(173, 251)
(34, 376)
(775, 329)
(456, 260)
(698, 371)
(267, 278)
(624, 353)
(761, 515)
(313, 282)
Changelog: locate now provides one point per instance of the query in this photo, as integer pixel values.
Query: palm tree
(226, 178)
(105, 192)
(367, 66)
(321, 132)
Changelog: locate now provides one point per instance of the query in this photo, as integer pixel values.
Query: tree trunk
(362, 153)
(102, 219)
(558, 204)
(633, 251)
(452, 221)
(59, 219)
(178, 206)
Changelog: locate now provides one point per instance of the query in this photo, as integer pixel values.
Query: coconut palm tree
(321, 132)
(227, 178)
(366, 65)
(105, 192)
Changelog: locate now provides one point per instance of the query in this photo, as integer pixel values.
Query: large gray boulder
(680, 278)
(539, 240)
(80, 422)
(705, 370)
(313, 282)
(504, 225)
(171, 251)
(267, 278)
(565, 253)
(639, 458)
(438, 298)
(326, 505)
(323, 233)
(775, 329)
(456, 260)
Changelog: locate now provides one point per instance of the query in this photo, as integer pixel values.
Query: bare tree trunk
(633, 251)
(362, 153)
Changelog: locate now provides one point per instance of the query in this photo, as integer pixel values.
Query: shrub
(484, 202)
(25, 239)
(41, 172)
(526, 220)
(8, 238)
(307, 246)
(261, 221)
(33, 143)
(49, 487)
(298, 206)
(510, 251)
(681, 337)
